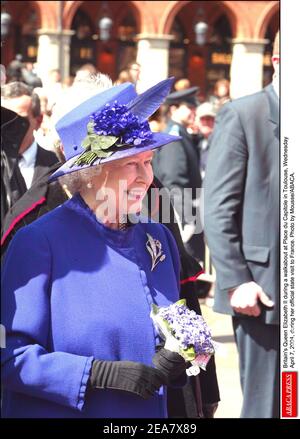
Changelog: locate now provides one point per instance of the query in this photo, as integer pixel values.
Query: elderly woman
(80, 341)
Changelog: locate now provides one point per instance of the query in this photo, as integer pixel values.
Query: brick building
(160, 35)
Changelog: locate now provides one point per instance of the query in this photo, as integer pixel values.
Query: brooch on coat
(154, 247)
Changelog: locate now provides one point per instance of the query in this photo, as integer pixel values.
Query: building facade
(160, 35)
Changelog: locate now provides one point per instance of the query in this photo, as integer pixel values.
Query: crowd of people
(84, 273)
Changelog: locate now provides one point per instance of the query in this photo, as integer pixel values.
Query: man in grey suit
(242, 231)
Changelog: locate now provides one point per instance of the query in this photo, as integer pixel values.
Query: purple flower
(188, 327)
(116, 120)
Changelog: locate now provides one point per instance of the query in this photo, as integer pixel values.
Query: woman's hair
(76, 181)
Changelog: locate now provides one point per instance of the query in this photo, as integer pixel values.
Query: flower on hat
(113, 127)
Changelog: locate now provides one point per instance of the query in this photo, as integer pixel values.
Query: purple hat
(111, 125)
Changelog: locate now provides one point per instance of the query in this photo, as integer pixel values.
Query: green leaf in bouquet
(166, 324)
(189, 353)
(155, 309)
(181, 302)
(161, 324)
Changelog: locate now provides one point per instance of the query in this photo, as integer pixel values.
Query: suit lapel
(38, 165)
(41, 164)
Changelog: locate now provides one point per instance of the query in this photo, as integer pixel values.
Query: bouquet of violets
(184, 332)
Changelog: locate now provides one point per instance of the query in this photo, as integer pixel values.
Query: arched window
(202, 65)
(178, 52)
(83, 41)
(108, 56)
(28, 41)
(126, 35)
(218, 52)
(127, 28)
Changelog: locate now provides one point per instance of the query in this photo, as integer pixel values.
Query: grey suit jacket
(241, 190)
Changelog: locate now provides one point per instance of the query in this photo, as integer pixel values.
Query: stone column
(246, 67)
(53, 52)
(65, 53)
(153, 56)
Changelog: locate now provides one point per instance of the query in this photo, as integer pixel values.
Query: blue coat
(75, 290)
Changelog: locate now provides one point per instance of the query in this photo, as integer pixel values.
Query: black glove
(171, 364)
(126, 375)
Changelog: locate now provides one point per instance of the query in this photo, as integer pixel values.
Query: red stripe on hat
(192, 278)
(19, 217)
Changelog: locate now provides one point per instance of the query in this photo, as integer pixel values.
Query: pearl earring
(89, 185)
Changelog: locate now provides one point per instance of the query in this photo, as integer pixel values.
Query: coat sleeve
(28, 365)
(174, 253)
(223, 194)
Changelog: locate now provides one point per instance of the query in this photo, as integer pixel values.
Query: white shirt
(27, 163)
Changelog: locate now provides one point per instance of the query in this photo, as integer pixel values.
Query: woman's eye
(148, 162)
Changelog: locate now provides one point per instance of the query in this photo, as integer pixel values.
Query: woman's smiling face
(123, 183)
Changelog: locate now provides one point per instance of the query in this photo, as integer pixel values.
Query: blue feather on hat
(144, 105)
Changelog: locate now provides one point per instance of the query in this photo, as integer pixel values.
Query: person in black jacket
(32, 159)
(13, 130)
(177, 167)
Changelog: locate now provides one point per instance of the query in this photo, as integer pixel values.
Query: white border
(290, 128)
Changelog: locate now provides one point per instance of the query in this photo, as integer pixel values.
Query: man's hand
(245, 299)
